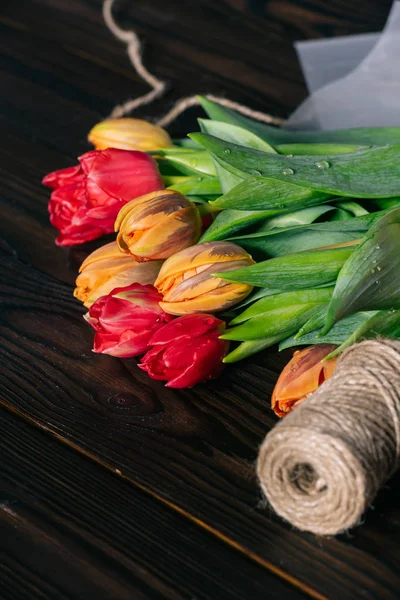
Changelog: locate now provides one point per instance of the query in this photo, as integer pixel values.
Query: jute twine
(323, 464)
(134, 49)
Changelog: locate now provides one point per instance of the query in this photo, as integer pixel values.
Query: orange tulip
(107, 268)
(303, 374)
(157, 225)
(129, 134)
(186, 279)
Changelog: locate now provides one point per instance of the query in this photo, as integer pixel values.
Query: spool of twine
(323, 464)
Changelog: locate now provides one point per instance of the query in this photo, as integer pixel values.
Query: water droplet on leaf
(227, 151)
(322, 164)
(255, 172)
(287, 172)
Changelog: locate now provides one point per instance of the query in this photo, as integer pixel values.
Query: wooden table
(113, 486)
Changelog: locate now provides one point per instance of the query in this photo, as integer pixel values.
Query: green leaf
(369, 279)
(283, 300)
(339, 333)
(185, 143)
(256, 295)
(249, 348)
(288, 240)
(313, 149)
(303, 216)
(279, 322)
(188, 161)
(235, 135)
(195, 186)
(201, 199)
(260, 193)
(353, 207)
(229, 222)
(274, 135)
(367, 173)
(315, 322)
(387, 203)
(294, 271)
(383, 323)
(238, 135)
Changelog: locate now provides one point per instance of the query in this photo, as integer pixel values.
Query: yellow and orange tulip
(108, 268)
(129, 134)
(302, 376)
(157, 225)
(187, 284)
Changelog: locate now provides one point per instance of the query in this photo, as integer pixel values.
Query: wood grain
(194, 449)
(86, 533)
(60, 72)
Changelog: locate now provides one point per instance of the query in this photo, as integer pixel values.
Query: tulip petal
(302, 376)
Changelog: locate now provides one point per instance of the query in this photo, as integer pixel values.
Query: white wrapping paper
(354, 81)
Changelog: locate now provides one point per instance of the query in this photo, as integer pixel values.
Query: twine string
(322, 465)
(134, 49)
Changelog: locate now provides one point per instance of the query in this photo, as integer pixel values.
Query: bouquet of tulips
(291, 237)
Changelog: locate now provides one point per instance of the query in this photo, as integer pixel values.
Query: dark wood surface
(186, 459)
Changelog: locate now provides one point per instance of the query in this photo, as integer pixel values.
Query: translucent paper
(354, 81)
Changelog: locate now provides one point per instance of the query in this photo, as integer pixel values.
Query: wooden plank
(194, 449)
(72, 529)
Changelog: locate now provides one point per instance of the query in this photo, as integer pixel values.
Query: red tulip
(186, 351)
(87, 198)
(126, 319)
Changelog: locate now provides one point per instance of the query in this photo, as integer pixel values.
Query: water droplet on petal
(322, 164)
(227, 151)
(287, 172)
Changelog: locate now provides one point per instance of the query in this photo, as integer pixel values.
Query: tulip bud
(186, 351)
(126, 319)
(187, 284)
(107, 268)
(129, 134)
(303, 374)
(157, 225)
(87, 198)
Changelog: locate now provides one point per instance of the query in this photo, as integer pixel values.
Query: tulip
(126, 319)
(303, 374)
(186, 351)
(186, 279)
(107, 268)
(128, 134)
(87, 198)
(157, 225)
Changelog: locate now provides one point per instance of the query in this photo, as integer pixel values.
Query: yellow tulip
(106, 269)
(187, 284)
(157, 225)
(129, 134)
